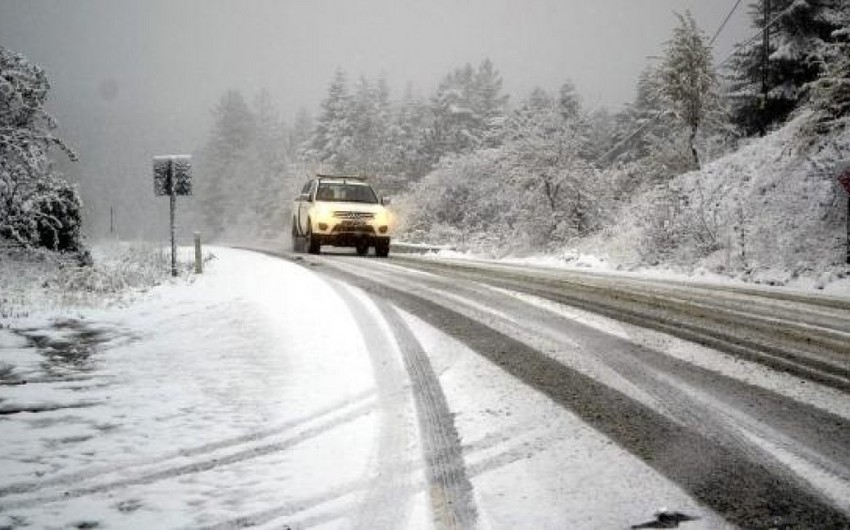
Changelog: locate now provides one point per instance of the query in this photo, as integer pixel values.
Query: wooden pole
(173, 200)
(199, 259)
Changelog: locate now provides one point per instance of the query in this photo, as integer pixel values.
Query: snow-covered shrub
(770, 210)
(37, 207)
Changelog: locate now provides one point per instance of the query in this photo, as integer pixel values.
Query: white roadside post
(172, 176)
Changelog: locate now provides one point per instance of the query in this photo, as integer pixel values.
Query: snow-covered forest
(728, 163)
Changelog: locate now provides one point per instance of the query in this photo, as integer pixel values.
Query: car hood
(349, 206)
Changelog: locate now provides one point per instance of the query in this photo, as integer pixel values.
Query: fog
(132, 79)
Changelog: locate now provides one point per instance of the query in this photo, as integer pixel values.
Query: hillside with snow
(769, 212)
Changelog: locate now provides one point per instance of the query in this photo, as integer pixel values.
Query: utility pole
(765, 56)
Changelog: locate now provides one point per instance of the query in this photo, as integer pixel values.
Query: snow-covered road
(341, 392)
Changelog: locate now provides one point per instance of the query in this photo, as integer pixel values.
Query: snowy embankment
(770, 212)
(176, 410)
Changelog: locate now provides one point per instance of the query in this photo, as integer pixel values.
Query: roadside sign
(172, 176)
(180, 171)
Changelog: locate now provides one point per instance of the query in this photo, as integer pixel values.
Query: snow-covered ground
(202, 402)
(827, 283)
(260, 394)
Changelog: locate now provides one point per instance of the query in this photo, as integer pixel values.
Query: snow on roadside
(238, 395)
(827, 284)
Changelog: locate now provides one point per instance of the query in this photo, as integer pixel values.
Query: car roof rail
(341, 177)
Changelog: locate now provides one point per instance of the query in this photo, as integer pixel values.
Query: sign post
(172, 176)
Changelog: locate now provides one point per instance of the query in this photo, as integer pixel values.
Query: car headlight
(383, 218)
(323, 215)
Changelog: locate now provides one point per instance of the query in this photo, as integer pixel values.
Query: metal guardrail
(417, 248)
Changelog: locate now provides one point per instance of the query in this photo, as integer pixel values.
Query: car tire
(362, 249)
(314, 246)
(382, 248)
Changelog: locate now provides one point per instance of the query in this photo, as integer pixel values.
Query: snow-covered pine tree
(830, 93)
(456, 127)
(224, 158)
(369, 117)
(271, 193)
(468, 110)
(569, 102)
(299, 134)
(489, 103)
(332, 140)
(688, 84)
(643, 119)
(407, 141)
(37, 206)
(765, 87)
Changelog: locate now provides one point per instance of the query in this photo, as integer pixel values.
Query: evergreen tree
(642, 122)
(687, 80)
(37, 206)
(830, 93)
(766, 85)
(489, 103)
(267, 212)
(370, 117)
(569, 103)
(468, 110)
(332, 141)
(224, 161)
(407, 141)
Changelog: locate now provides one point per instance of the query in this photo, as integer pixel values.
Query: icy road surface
(346, 392)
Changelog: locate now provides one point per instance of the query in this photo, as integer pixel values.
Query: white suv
(342, 212)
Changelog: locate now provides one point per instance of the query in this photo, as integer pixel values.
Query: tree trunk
(692, 144)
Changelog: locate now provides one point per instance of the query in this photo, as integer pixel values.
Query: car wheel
(313, 244)
(362, 249)
(382, 248)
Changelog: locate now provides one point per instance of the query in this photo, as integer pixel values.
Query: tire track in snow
(208, 463)
(746, 491)
(226, 443)
(386, 503)
(450, 490)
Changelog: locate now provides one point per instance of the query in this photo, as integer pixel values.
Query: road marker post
(199, 259)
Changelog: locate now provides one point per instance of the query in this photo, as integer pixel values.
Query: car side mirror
(385, 201)
(304, 197)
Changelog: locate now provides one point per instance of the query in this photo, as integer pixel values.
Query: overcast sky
(134, 76)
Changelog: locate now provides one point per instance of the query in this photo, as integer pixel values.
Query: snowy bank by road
(199, 404)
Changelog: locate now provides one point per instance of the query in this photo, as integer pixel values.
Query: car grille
(361, 229)
(358, 216)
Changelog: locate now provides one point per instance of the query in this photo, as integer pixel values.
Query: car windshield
(344, 192)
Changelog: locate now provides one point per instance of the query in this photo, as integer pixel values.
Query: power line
(725, 21)
(716, 68)
(758, 35)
